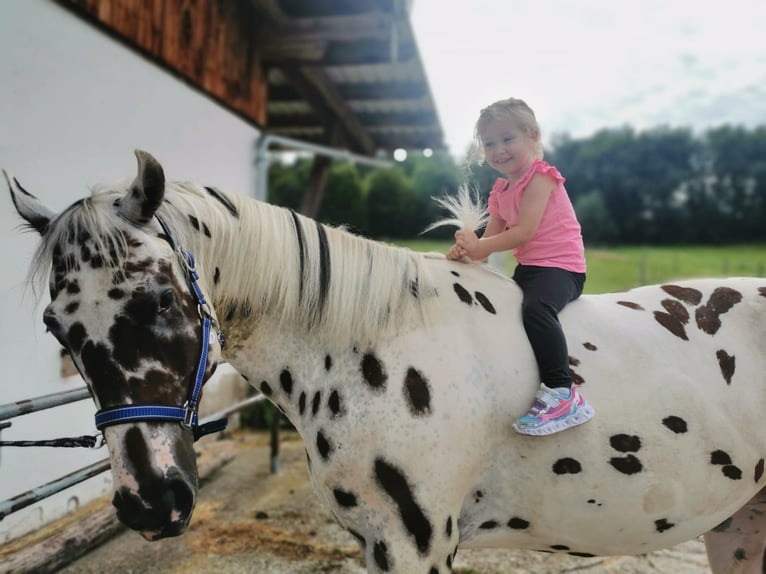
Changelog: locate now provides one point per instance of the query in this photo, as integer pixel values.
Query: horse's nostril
(129, 507)
(180, 497)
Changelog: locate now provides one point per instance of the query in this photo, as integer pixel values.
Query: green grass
(623, 268)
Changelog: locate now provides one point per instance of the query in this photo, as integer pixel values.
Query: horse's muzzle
(163, 513)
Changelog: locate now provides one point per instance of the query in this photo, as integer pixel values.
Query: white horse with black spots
(403, 373)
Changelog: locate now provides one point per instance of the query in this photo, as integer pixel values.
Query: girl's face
(508, 149)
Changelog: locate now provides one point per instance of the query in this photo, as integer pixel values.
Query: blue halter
(186, 414)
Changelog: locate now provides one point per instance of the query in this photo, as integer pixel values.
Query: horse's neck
(268, 265)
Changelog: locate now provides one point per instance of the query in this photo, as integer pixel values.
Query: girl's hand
(456, 253)
(469, 244)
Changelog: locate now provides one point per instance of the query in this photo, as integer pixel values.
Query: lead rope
(84, 441)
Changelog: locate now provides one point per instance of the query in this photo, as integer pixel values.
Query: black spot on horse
(590, 346)
(394, 483)
(334, 403)
(205, 230)
(373, 372)
(720, 457)
(630, 305)
(732, 472)
(518, 523)
(266, 388)
(109, 384)
(380, 553)
(324, 446)
(344, 498)
(484, 302)
(721, 301)
(448, 527)
(302, 403)
(76, 337)
(727, 363)
(116, 293)
(72, 307)
(72, 288)
(286, 381)
(455, 273)
(315, 403)
(567, 466)
(560, 547)
(488, 525)
(194, 221)
(758, 471)
(626, 464)
(740, 554)
(662, 525)
(685, 294)
(676, 424)
(359, 538)
(216, 276)
(581, 554)
(417, 393)
(327, 362)
(672, 324)
(625, 443)
(462, 293)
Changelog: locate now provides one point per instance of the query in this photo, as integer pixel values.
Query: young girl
(530, 212)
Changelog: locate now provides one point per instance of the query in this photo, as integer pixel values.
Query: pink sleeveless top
(558, 240)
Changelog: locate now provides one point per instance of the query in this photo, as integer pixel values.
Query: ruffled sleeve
(493, 207)
(539, 166)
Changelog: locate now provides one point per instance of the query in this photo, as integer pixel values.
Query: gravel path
(248, 521)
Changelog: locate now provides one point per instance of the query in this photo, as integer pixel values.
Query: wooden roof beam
(320, 92)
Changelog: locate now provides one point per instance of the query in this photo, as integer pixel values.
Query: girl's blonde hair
(510, 109)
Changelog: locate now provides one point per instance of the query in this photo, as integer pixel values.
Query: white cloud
(595, 63)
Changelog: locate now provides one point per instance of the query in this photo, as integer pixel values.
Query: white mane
(273, 263)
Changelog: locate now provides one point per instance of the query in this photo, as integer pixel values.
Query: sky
(583, 65)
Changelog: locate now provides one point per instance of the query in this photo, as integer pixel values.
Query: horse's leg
(736, 546)
(406, 543)
(400, 529)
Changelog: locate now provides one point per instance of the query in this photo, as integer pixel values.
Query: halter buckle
(189, 412)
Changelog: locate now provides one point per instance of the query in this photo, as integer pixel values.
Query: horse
(403, 372)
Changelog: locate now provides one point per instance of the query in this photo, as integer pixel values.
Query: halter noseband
(187, 414)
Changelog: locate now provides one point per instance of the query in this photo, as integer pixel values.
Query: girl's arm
(533, 204)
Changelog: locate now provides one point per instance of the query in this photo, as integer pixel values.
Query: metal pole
(263, 158)
(49, 489)
(27, 406)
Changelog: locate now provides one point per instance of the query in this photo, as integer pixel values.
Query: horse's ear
(145, 194)
(28, 206)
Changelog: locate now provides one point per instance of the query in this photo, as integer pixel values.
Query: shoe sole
(582, 416)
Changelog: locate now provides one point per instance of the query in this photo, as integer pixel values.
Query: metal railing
(36, 404)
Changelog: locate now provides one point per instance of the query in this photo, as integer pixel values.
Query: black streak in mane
(324, 265)
(225, 201)
(301, 247)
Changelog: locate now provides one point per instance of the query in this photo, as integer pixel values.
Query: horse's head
(122, 304)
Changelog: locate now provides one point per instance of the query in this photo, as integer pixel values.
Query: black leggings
(547, 290)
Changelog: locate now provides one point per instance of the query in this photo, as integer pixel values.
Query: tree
(390, 204)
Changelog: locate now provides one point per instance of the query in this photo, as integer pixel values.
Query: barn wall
(74, 104)
(209, 42)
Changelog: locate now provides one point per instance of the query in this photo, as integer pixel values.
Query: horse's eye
(166, 300)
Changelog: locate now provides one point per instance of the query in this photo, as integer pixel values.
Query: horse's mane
(271, 262)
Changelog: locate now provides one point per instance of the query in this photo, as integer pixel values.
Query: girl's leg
(547, 290)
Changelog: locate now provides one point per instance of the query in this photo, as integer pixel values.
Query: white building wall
(74, 104)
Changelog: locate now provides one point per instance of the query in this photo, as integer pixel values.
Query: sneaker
(554, 410)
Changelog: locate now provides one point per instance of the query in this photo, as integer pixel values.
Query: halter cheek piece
(187, 414)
